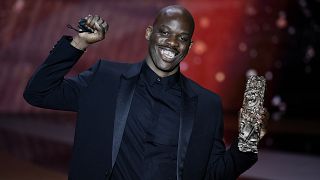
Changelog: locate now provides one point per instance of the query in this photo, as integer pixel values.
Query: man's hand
(264, 122)
(97, 25)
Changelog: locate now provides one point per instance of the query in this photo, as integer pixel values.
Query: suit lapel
(123, 103)
(187, 117)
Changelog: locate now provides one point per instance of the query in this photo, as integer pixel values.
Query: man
(139, 121)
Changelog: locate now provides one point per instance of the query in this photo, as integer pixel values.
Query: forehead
(180, 22)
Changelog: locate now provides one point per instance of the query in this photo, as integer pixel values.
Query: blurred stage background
(233, 39)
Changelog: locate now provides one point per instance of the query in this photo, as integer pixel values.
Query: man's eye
(185, 39)
(164, 32)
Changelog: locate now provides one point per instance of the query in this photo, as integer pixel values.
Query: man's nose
(172, 42)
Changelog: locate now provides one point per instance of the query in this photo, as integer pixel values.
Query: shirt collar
(151, 77)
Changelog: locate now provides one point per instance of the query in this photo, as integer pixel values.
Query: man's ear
(191, 43)
(148, 32)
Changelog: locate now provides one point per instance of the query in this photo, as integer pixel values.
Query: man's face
(169, 42)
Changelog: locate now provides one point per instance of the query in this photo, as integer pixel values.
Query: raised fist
(99, 28)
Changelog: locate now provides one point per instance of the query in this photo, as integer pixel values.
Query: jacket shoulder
(204, 92)
(116, 68)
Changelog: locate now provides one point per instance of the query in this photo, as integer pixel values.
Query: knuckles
(99, 27)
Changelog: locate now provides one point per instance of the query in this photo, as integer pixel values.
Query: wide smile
(167, 54)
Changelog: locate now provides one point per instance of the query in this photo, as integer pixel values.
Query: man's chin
(167, 69)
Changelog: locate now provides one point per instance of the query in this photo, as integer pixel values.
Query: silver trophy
(251, 115)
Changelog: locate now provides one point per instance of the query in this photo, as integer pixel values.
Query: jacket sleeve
(47, 88)
(227, 164)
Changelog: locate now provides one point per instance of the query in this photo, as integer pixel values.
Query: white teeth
(167, 54)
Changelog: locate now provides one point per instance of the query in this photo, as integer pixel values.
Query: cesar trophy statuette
(251, 114)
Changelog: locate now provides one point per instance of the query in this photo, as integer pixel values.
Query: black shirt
(149, 146)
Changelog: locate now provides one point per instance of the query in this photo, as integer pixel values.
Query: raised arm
(48, 88)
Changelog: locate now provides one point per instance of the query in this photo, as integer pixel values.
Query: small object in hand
(82, 26)
(251, 114)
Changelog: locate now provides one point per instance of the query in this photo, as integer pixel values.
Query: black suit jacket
(102, 97)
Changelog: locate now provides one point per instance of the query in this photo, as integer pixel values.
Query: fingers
(105, 26)
(99, 28)
(96, 23)
(264, 122)
(91, 20)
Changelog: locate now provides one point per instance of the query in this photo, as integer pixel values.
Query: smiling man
(139, 121)
(169, 40)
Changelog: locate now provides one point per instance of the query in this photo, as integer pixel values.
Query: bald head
(170, 38)
(178, 12)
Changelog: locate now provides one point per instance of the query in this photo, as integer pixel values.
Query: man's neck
(159, 72)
